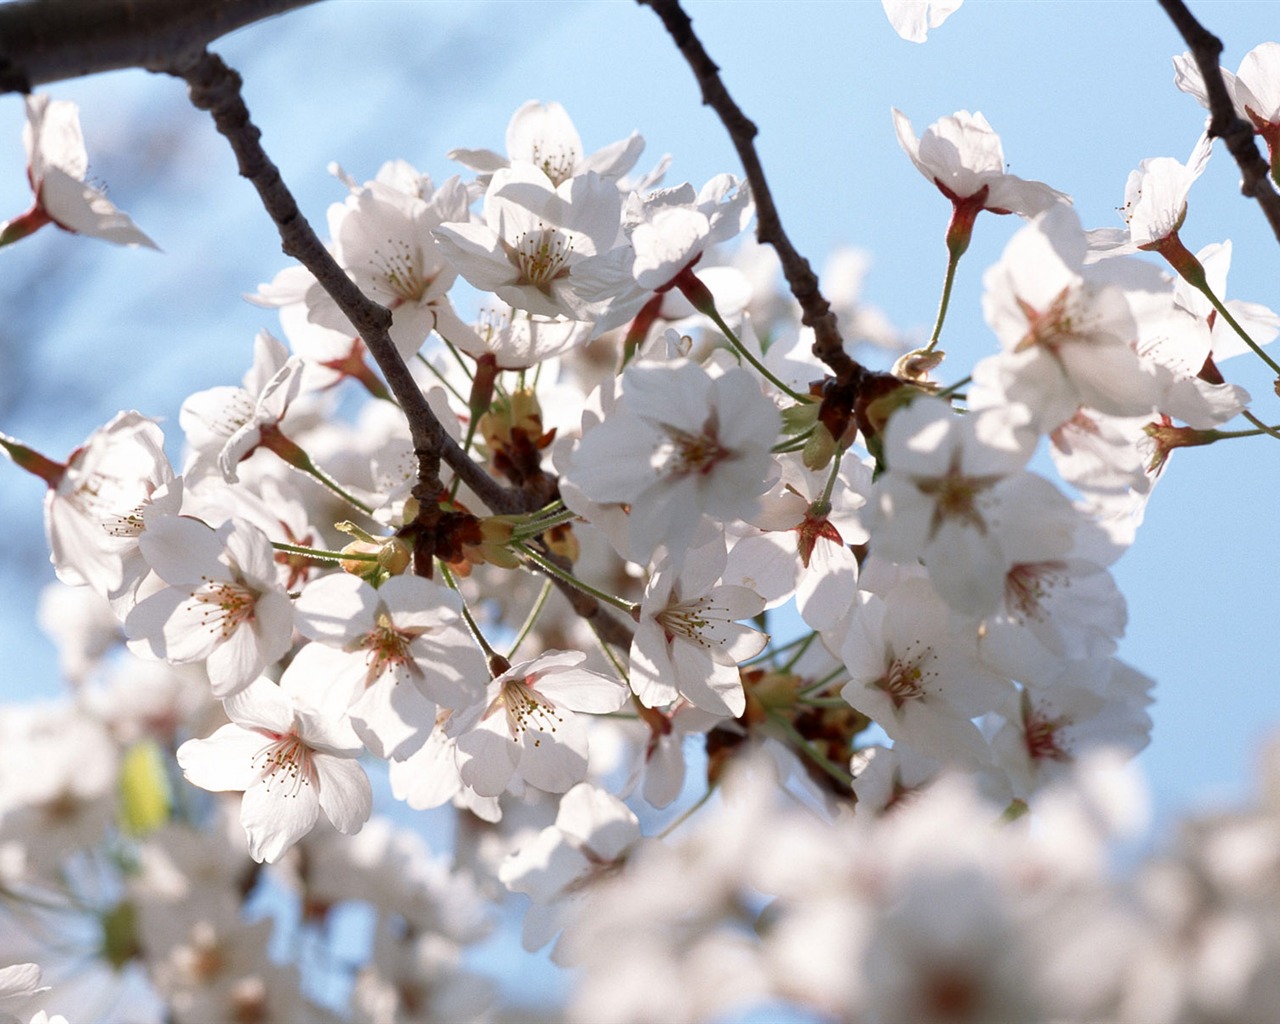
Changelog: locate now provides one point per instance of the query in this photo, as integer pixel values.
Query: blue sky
(1080, 93)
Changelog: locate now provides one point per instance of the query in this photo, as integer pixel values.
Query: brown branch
(49, 40)
(1224, 122)
(816, 311)
(216, 88)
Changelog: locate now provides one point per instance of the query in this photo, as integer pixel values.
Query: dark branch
(216, 88)
(1225, 123)
(817, 313)
(49, 40)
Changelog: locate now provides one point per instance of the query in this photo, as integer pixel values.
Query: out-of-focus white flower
(56, 167)
(543, 134)
(912, 19)
(291, 761)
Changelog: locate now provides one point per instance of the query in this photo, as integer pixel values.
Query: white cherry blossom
(221, 604)
(679, 445)
(912, 19)
(526, 724)
(399, 652)
(961, 154)
(542, 134)
(56, 167)
(292, 763)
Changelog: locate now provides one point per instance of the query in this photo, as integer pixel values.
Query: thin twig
(1224, 122)
(216, 88)
(828, 345)
(46, 42)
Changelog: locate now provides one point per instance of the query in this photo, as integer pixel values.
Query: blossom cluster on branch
(533, 578)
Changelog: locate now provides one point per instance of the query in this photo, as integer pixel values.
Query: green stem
(687, 813)
(1262, 428)
(806, 748)
(531, 619)
(953, 261)
(742, 350)
(541, 524)
(551, 569)
(952, 388)
(619, 666)
(1203, 287)
(448, 386)
(794, 443)
(320, 555)
(472, 625)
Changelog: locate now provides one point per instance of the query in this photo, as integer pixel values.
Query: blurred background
(1080, 93)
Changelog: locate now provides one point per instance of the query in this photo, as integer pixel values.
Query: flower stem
(687, 813)
(551, 569)
(531, 619)
(953, 261)
(321, 555)
(1262, 428)
(808, 749)
(472, 626)
(700, 296)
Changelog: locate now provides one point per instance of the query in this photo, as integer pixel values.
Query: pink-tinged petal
(183, 550)
(146, 622)
(235, 662)
(276, 816)
(19, 980)
(209, 417)
(428, 778)
(581, 690)
(418, 604)
(250, 551)
(708, 684)
(967, 567)
(392, 720)
(336, 609)
(652, 676)
(545, 867)
(488, 756)
(272, 624)
(224, 761)
(81, 208)
(345, 795)
(600, 821)
(261, 705)
(453, 670)
(554, 761)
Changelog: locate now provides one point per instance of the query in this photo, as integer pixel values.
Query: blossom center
(957, 496)
(228, 605)
(1041, 738)
(1051, 327)
(905, 678)
(398, 269)
(689, 620)
(285, 762)
(540, 255)
(527, 709)
(389, 652)
(1027, 585)
(556, 162)
(695, 453)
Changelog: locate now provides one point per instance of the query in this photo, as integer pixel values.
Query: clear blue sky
(1080, 93)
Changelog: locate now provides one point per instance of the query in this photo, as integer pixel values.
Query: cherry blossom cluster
(560, 615)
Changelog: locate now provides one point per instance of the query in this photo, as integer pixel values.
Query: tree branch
(216, 88)
(1224, 122)
(828, 345)
(49, 40)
